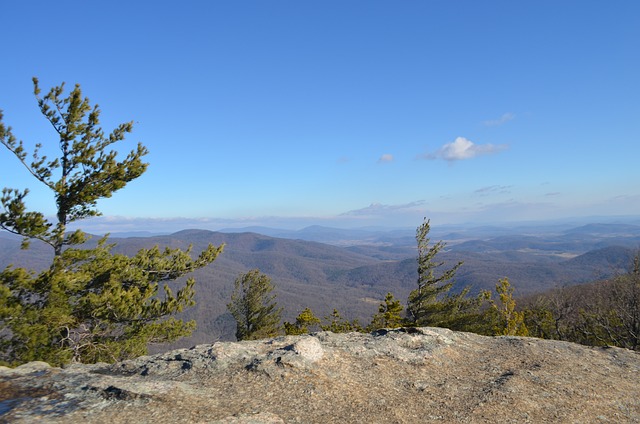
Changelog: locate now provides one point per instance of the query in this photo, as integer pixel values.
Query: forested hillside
(352, 279)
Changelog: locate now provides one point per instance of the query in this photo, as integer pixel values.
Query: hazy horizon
(102, 225)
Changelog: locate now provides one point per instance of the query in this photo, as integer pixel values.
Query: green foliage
(93, 305)
(389, 314)
(254, 308)
(83, 174)
(337, 324)
(510, 321)
(461, 312)
(304, 320)
(540, 322)
(334, 323)
(90, 305)
(431, 304)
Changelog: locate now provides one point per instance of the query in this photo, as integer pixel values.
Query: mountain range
(352, 270)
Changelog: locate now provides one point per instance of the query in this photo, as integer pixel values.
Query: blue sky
(344, 113)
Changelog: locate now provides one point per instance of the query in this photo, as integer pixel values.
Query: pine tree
(432, 304)
(90, 305)
(389, 314)
(511, 322)
(94, 305)
(254, 308)
(304, 321)
(84, 173)
(338, 324)
(429, 304)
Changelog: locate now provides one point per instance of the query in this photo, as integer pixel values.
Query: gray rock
(404, 376)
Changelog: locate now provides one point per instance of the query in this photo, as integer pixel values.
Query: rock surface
(396, 376)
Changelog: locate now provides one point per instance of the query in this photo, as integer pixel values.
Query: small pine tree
(511, 322)
(430, 304)
(389, 314)
(304, 320)
(254, 308)
(338, 324)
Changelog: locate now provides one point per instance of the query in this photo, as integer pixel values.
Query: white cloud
(386, 158)
(502, 120)
(461, 149)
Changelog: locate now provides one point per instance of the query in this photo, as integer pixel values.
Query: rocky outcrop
(397, 376)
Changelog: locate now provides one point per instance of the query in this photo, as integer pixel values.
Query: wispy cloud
(461, 149)
(485, 191)
(500, 121)
(552, 194)
(378, 208)
(386, 158)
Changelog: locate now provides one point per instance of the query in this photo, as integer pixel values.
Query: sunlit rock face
(403, 375)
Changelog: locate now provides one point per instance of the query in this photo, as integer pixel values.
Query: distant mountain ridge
(608, 230)
(354, 279)
(336, 236)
